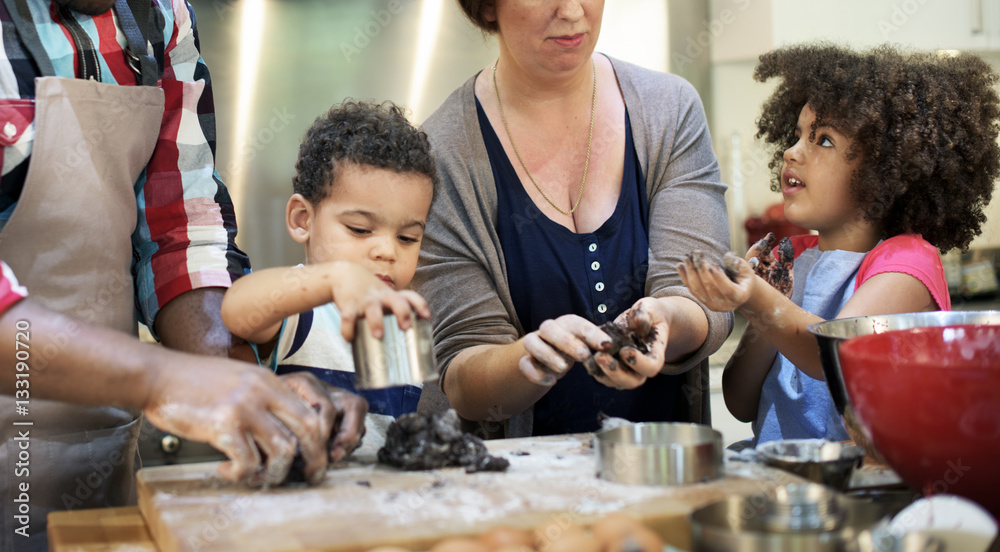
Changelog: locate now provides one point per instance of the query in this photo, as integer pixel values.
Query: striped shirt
(186, 226)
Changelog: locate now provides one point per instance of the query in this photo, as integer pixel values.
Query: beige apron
(69, 243)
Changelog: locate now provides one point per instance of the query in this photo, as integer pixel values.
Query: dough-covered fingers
(243, 457)
(614, 374)
(349, 426)
(313, 426)
(554, 348)
(535, 372)
(279, 446)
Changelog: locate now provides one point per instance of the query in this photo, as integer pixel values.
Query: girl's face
(547, 35)
(816, 179)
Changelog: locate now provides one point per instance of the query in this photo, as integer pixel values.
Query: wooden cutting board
(361, 505)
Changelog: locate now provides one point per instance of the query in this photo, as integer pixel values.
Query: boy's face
(372, 217)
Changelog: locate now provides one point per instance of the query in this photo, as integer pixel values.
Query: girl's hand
(776, 271)
(720, 289)
(357, 292)
(556, 345)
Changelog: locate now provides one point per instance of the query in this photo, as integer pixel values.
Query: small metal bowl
(826, 462)
(399, 358)
(803, 517)
(659, 454)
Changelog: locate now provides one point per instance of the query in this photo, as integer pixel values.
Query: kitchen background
(277, 64)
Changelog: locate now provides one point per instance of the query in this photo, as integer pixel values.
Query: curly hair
(924, 127)
(473, 10)
(364, 133)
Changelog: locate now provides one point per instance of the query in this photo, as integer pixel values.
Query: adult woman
(615, 192)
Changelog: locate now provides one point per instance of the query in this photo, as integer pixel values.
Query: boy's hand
(720, 288)
(359, 293)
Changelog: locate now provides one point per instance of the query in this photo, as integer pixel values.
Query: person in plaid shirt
(111, 210)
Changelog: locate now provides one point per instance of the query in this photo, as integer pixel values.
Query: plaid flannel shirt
(185, 236)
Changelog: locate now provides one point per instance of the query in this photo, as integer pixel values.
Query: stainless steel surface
(826, 462)
(659, 454)
(415, 53)
(915, 542)
(830, 334)
(803, 507)
(401, 357)
(813, 518)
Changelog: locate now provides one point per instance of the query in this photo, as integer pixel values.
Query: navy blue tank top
(597, 275)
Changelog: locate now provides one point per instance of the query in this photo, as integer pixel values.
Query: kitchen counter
(361, 505)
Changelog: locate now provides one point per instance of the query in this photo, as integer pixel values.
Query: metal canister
(401, 357)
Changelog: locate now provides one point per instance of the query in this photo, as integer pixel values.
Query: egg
(553, 529)
(639, 539)
(389, 549)
(515, 548)
(575, 542)
(614, 526)
(506, 536)
(459, 544)
(618, 532)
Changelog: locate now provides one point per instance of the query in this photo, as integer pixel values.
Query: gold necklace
(590, 140)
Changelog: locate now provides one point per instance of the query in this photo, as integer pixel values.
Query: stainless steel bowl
(659, 454)
(801, 517)
(399, 358)
(830, 334)
(826, 462)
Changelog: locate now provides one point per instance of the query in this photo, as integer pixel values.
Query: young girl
(886, 155)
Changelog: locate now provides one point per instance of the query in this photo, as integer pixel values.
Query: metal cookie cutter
(659, 454)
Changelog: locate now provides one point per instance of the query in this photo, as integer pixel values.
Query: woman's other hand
(720, 288)
(557, 344)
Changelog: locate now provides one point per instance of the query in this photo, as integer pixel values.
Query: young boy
(362, 190)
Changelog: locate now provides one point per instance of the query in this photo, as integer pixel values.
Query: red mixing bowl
(930, 397)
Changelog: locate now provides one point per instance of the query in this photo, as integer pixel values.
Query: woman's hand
(648, 321)
(720, 289)
(557, 344)
(359, 293)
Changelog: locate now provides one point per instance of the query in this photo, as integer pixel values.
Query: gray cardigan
(462, 271)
